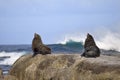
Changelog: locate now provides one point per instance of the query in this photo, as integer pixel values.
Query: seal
(90, 47)
(38, 47)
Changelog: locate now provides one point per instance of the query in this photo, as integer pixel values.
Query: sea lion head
(37, 37)
(89, 41)
(89, 36)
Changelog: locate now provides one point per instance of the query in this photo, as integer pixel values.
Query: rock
(9, 77)
(1, 73)
(66, 67)
(38, 47)
(91, 49)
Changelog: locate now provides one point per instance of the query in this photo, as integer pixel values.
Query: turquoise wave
(70, 47)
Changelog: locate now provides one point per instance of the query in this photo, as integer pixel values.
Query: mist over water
(109, 40)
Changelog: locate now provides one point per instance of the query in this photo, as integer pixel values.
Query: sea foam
(10, 57)
(110, 41)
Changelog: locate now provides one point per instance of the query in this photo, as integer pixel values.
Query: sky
(54, 19)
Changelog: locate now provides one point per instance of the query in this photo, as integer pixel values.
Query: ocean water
(10, 53)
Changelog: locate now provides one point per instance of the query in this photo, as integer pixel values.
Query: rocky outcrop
(1, 73)
(91, 49)
(9, 77)
(66, 67)
(38, 47)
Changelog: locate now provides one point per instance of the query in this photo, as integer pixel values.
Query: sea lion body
(91, 49)
(38, 47)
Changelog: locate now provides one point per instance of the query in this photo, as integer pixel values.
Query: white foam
(110, 41)
(13, 57)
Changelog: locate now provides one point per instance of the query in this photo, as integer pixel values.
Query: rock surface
(66, 67)
(1, 73)
(9, 77)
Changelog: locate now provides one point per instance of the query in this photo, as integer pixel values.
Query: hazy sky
(53, 19)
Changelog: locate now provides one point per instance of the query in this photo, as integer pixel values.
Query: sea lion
(38, 47)
(91, 49)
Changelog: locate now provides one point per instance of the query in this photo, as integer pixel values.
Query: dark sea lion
(38, 47)
(91, 49)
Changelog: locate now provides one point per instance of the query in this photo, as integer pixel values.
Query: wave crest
(69, 38)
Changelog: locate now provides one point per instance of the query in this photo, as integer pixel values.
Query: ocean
(10, 53)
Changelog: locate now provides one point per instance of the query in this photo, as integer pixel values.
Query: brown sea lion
(91, 49)
(38, 47)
